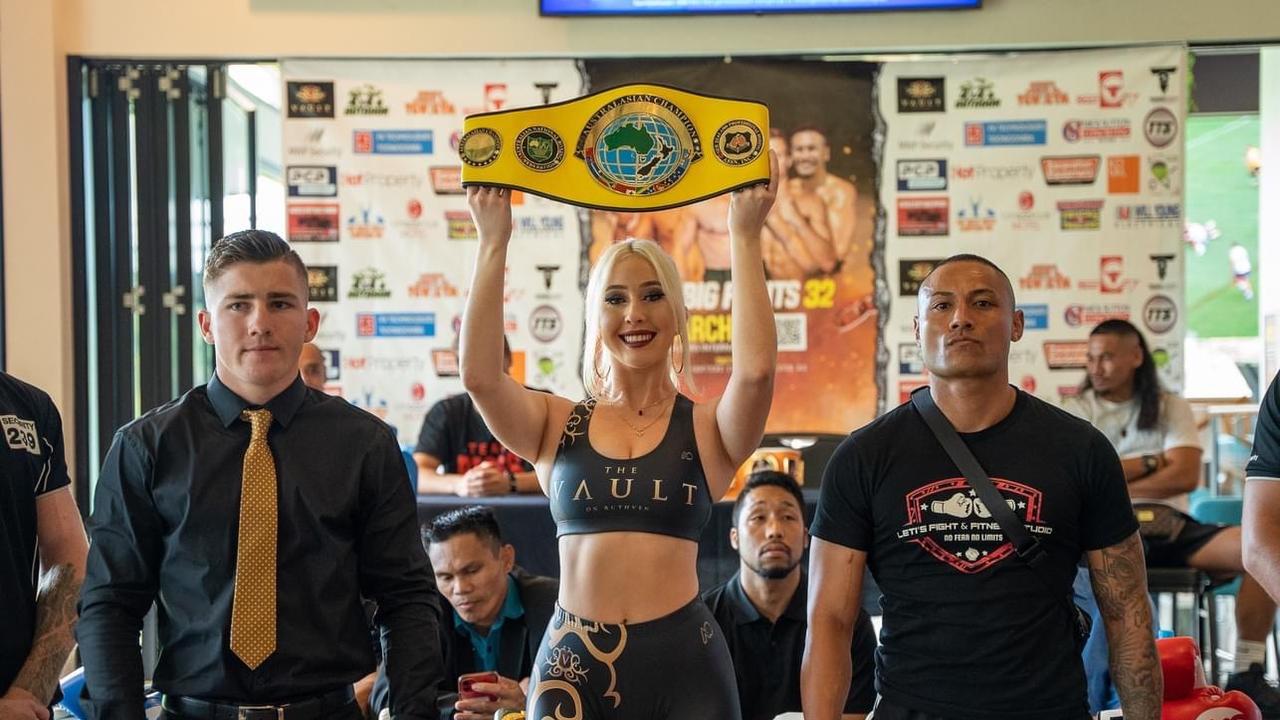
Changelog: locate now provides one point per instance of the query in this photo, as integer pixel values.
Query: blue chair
(1221, 510)
(411, 466)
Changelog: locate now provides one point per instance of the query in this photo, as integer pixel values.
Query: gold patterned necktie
(253, 608)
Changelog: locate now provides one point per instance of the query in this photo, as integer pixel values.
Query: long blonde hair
(595, 366)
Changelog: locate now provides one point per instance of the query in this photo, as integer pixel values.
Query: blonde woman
(631, 470)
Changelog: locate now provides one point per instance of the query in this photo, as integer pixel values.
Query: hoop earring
(677, 342)
(599, 359)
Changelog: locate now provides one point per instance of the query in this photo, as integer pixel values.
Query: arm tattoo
(1119, 580)
(55, 619)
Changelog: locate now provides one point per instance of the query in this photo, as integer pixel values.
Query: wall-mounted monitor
(745, 7)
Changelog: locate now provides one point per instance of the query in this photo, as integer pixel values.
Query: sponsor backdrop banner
(376, 211)
(818, 243)
(1066, 169)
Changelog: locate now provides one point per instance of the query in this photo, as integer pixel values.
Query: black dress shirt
(164, 528)
(767, 656)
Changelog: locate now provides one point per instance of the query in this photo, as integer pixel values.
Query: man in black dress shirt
(256, 610)
(761, 609)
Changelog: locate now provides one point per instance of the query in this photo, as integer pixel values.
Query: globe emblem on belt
(639, 145)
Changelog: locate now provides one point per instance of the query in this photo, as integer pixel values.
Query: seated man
(456, 454)
(311, 367)
(762, 608)
(499, 614)
(1155, 436)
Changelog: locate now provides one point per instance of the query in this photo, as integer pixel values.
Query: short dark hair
(1146, 381)
(767, 478)
(255, 246)
(475, 519)
(970, 257)
(809, 128)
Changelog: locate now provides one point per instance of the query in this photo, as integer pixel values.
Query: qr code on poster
(793, 332)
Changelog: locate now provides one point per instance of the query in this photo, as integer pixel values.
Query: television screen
(709, 7)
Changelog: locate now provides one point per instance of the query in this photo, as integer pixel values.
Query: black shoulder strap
(1027, 547)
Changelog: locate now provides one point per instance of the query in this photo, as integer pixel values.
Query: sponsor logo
(1162, 176)
(445, 362)
(1068, 391)
(737, 142)
(20, 434)
(548, 275)
(546, 88)
(460, 225)
(495, 96)
(430, 102)
(539, 148)
(924, 140)
(365, 100)
(433, 285)
(332, 364)
(1122, 174)
(313, 222)
(1027, 218)
(1111, 277)
(322, 283)
(1149, 215)
(1160, 314)
(312, 180)
(1043, 92)
(545, 323)
(1111, 91)
(396, 325)
(447, 180)
(309, 99)
(366, 225)
(912, 272)
(313, 147)
(382, 180)
(1163, 77)
(922, 175)
(1096, 130)
(393, 142)
(1044, 276)
(1070, 169)
(922, 94)
(994, 173)
(538, 227)
(910, 362)
(1005, 132)
(973, 216)
(923, 216)
(1028, 383)
(1162, 264)
(369, 283)
(1090, 315)
(1035, 317)
(1066, 354)
(906, 386)
(411, 364)
(1080, 214)
(1160, 126)
(977, 93)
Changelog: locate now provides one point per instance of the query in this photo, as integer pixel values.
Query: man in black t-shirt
(971, 630)
(761, 609)
(42, 552)
(456, 454)
(1262, 496)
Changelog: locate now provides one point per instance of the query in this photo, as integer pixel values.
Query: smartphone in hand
(466, 681)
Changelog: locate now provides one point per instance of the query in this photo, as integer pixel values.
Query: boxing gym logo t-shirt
(970, 630)
(454, 433)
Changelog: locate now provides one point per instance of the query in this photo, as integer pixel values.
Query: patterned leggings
(673, 668)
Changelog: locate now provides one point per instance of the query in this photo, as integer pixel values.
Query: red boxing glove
(1210, 703)
(1180, 662)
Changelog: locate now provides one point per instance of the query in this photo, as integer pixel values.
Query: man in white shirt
(1155, 435)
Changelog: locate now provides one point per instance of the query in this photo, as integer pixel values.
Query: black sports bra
(663, 491)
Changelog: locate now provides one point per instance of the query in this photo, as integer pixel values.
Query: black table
(526, 524)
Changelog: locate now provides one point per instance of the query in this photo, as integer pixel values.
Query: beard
(774, 572)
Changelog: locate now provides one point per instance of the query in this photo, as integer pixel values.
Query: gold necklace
(640, 412)
(639, 430)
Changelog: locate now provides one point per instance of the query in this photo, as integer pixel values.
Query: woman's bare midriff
(626, 577)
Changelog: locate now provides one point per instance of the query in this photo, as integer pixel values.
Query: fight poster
(819, 247)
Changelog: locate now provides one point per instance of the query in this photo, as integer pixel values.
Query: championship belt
(633, 147)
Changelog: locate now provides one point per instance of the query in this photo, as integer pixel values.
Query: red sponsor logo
(1066, 354)
(1070, 169)
(923, 216)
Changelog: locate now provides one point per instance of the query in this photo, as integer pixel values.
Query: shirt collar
(745, 611)
(512, 608)
(228, 405)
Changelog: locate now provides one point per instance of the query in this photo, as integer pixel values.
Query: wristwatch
(511, 482)
(1150, 464)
